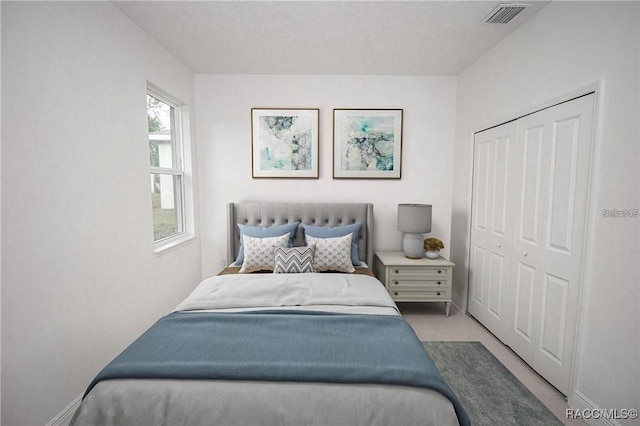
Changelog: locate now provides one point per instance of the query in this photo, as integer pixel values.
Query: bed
(317, 341)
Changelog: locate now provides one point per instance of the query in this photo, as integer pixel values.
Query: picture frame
(367, 143)
(284, 142)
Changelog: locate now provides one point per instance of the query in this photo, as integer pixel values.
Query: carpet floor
(490, 393)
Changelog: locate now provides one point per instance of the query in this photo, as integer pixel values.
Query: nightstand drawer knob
(397, 271)
(439, 271)
(395, 293)
(439, 283)
(438, 293)
(395, 282)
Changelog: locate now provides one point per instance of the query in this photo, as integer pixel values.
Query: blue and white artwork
(367, 143)
(285, 143)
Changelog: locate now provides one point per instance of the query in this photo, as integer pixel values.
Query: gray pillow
(294, 260)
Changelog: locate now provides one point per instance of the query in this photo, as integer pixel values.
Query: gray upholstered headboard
(322, 214)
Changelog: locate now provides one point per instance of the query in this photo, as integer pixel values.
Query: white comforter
(325, 292)
(211, 402)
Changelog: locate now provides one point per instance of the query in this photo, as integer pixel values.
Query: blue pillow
(262, 232)
(338, 231)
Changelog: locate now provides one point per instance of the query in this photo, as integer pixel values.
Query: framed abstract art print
(367, 143)
(284, 143)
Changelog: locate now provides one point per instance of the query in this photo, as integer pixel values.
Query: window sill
(167, 246)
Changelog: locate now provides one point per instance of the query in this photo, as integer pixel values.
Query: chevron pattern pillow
(258, 252)
(294, 260)
(332, 254)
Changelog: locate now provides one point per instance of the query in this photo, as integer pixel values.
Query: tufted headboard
(321, 214)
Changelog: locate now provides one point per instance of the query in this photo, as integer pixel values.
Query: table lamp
(414, 220)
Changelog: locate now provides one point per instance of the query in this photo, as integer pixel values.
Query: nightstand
(415, 280)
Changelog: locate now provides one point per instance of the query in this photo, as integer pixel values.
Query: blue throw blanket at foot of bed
(281, 346)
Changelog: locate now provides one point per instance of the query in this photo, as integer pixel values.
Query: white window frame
(180, 140)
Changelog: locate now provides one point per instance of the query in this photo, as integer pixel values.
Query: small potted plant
(433, 247)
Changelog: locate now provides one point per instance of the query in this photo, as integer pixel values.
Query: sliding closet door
(491, 233)
(552, 159)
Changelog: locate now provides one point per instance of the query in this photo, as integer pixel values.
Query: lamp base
(413, 245)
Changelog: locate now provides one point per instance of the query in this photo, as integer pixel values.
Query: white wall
(564, 47)
(224, 105)
(79, 278)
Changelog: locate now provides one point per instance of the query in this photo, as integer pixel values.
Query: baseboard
(579, 401)
(64, 417)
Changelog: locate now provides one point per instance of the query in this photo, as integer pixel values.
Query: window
(165, 121)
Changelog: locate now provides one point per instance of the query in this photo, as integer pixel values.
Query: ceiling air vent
(504, 13)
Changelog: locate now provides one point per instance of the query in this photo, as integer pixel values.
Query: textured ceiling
(323, 37)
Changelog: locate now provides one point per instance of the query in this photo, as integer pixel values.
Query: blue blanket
(281, 346)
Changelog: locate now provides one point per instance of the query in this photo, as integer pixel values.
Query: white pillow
(332, 254)
(258, 252)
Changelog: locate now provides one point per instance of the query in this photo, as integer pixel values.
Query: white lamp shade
(414, 218)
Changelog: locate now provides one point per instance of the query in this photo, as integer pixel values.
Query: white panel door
(552, 157)
(491, 233)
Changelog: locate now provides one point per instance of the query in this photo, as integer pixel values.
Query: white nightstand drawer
(417, 272)
(418, 295)
(431, 284)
